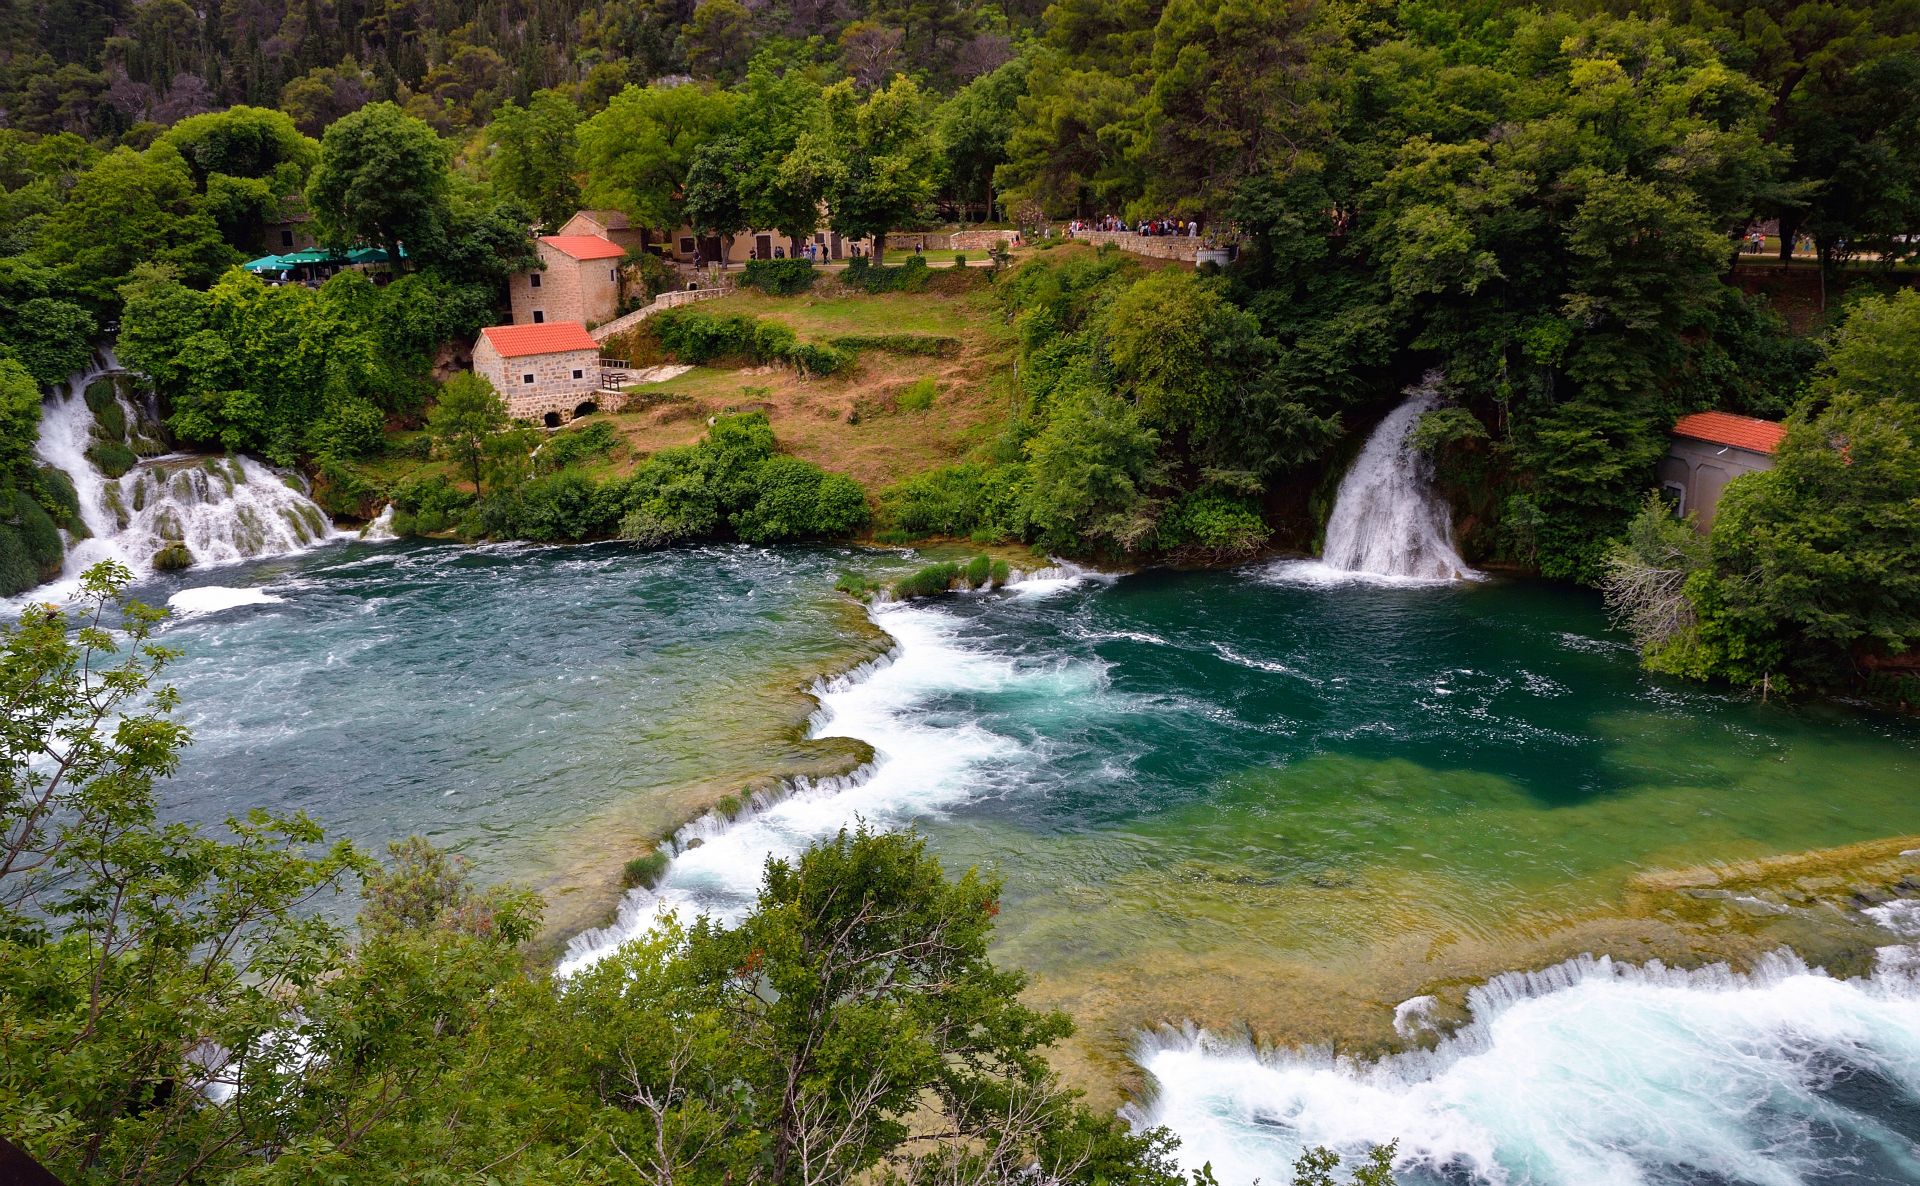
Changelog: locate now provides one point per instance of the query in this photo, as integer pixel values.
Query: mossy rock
(111, 458)
(54, 491)
(110, 423)
(101, 395)
(173, 557)
(643, 872)
(18, 573)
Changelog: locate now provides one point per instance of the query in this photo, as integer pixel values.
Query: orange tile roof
(518, 341)
(1725, 428)
(584, 246)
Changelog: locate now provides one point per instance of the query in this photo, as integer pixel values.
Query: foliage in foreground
(850, 1024)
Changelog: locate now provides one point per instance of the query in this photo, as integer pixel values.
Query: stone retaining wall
(1157, 246)
(666, 300)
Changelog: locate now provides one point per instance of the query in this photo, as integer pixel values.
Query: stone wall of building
(583, 290)
(1696, 473)
(559, 382)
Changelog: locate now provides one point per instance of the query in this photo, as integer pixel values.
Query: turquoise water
(1237, 798)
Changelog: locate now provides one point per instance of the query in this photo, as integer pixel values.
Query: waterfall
(1386, 521)
(166, 510)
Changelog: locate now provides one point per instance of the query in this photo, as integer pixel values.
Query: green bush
(814, 361)
(564, 507)
(426, 505)
(643, 872)
(1216, 524)
(930, 581)
(862, 274)
(101, 395)
(1000, 573)
(971, 499)
(979, 571)
(855, 584)
(576, 445)
(779, 277)
(692, 336)
(930, 345)
(959, 259)
(796, 499)
(916, 396)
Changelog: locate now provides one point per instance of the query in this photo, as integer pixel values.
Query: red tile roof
(584, 246)
(518, 341)
(1725, 428)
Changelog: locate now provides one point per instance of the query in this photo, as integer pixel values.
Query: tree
(1812, 575)
(876, 158)
(242, 142)
(717, 38)
(468, 411)
(129, 209)
(53, 339)
(974, 127)
(382, 177)
(636, 153)
(714, 198)
(326, 93)
(533, 151)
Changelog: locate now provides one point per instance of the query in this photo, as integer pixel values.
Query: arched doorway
(587, 408)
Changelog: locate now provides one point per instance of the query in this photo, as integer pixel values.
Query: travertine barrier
(666, 300)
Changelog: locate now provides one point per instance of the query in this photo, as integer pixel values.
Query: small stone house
(578, 280)
(290, 229)
(1709, 450)
(610, 225)
(548, 372)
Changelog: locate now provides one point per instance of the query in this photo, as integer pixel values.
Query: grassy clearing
(884, 419)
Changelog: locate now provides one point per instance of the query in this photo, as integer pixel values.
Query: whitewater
(1589, 1073)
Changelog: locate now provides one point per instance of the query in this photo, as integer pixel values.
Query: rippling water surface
(1240, 798)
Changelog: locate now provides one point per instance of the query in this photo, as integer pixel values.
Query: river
(1319, 814)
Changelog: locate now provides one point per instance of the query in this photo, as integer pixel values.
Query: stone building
(290, 229)
(578, 280)
(548, 372)
(1709, 450)
(610, 225)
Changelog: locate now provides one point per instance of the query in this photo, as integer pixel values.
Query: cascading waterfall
(1386, 521)
(167, 510)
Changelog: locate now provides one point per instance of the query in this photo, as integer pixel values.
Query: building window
(533, 279)
(286, 238)
(578, 373)
(1675, 496)
(527, 378)
(613, 274)
(686, 247)
(539, 317)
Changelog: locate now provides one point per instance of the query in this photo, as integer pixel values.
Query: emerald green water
(1216, 797)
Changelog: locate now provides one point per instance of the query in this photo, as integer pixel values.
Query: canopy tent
(266, 263)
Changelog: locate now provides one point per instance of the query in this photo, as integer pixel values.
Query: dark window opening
(539, 317)
(533, 279)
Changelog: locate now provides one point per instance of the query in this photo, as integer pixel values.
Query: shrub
(101, 395)
(424, 505)
(931, 345)
(576, 445)
(53, 490)
(1216, 524)
(562, 507)
(643, 872)
(930, 581)
(109, 420)
(796, 499)
(971, 499)
(910, 276)
(813, 361)
(959, 259)
(779, 277)
(351, 428)
(1000, 572)
(979, 571)
(858, 585)
(916, 396)
(18, 573)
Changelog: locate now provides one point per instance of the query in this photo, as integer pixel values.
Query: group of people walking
(1150, 226)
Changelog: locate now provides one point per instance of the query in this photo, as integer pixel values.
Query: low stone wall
(980, 240)
(666, 300)
(1178, 247)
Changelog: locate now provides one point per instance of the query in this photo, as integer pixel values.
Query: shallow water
(1232, 797)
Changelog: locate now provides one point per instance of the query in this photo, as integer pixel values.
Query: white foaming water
(381, 528)
(919, 768)
(211, 599)
(222, 508)
(1386, 525)
(1590, 1073)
